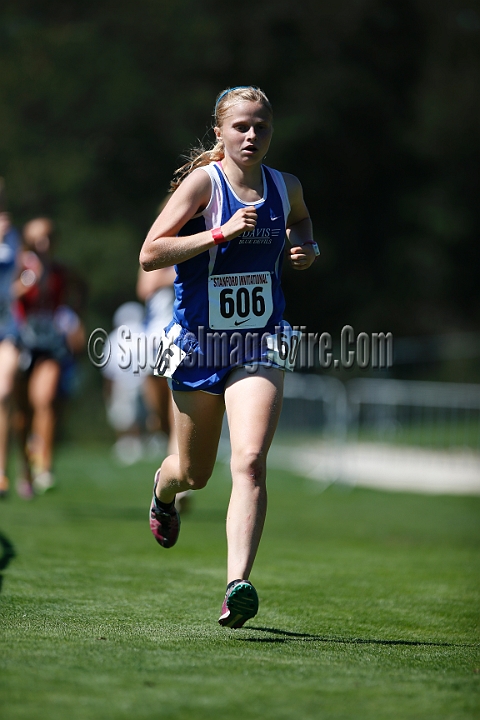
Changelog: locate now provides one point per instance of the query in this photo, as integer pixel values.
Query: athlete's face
(37, 234)
(246, 132)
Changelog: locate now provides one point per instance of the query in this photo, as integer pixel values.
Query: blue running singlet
(229, 303)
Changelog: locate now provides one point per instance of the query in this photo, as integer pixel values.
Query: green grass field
(368, 604)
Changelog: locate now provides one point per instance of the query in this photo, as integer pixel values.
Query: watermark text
(139, 352)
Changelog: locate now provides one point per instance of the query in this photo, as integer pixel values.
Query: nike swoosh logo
(237, 323)
(274, 218)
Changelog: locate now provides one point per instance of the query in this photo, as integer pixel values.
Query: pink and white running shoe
(164, 524)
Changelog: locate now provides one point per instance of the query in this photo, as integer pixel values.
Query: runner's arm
(299, 226)
(148, 283)
(162, 246)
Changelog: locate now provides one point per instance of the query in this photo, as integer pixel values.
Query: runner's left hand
(302, 256)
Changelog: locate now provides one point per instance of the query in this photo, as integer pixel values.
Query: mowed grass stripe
(368, 604)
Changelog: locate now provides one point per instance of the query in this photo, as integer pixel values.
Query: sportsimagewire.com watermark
(138, 352)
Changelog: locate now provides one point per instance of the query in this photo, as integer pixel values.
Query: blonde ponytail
(198, 157)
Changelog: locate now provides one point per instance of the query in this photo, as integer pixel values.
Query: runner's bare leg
(253, 403)
(198, 423)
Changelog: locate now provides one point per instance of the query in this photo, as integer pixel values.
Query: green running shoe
(240, 604)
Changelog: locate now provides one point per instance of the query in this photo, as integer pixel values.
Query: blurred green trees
(376, 110)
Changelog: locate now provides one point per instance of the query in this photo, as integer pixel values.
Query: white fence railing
(384, 433)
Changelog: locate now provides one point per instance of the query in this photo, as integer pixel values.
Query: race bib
(239, 300)
(282, 347)
(169, 356)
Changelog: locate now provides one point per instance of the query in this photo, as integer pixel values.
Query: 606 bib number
(239, 300)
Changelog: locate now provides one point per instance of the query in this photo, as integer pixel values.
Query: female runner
(224, 228)
(50, 334)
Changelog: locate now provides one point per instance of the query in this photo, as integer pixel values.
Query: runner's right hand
(244, 220)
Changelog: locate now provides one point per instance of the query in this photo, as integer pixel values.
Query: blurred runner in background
(155, 289)
(49, 299)
(9, 255)
(123, 386)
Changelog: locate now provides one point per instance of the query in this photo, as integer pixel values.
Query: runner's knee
(197, 479)
(5, 393)
(41, 400)
(6, 386)
(250, 464)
